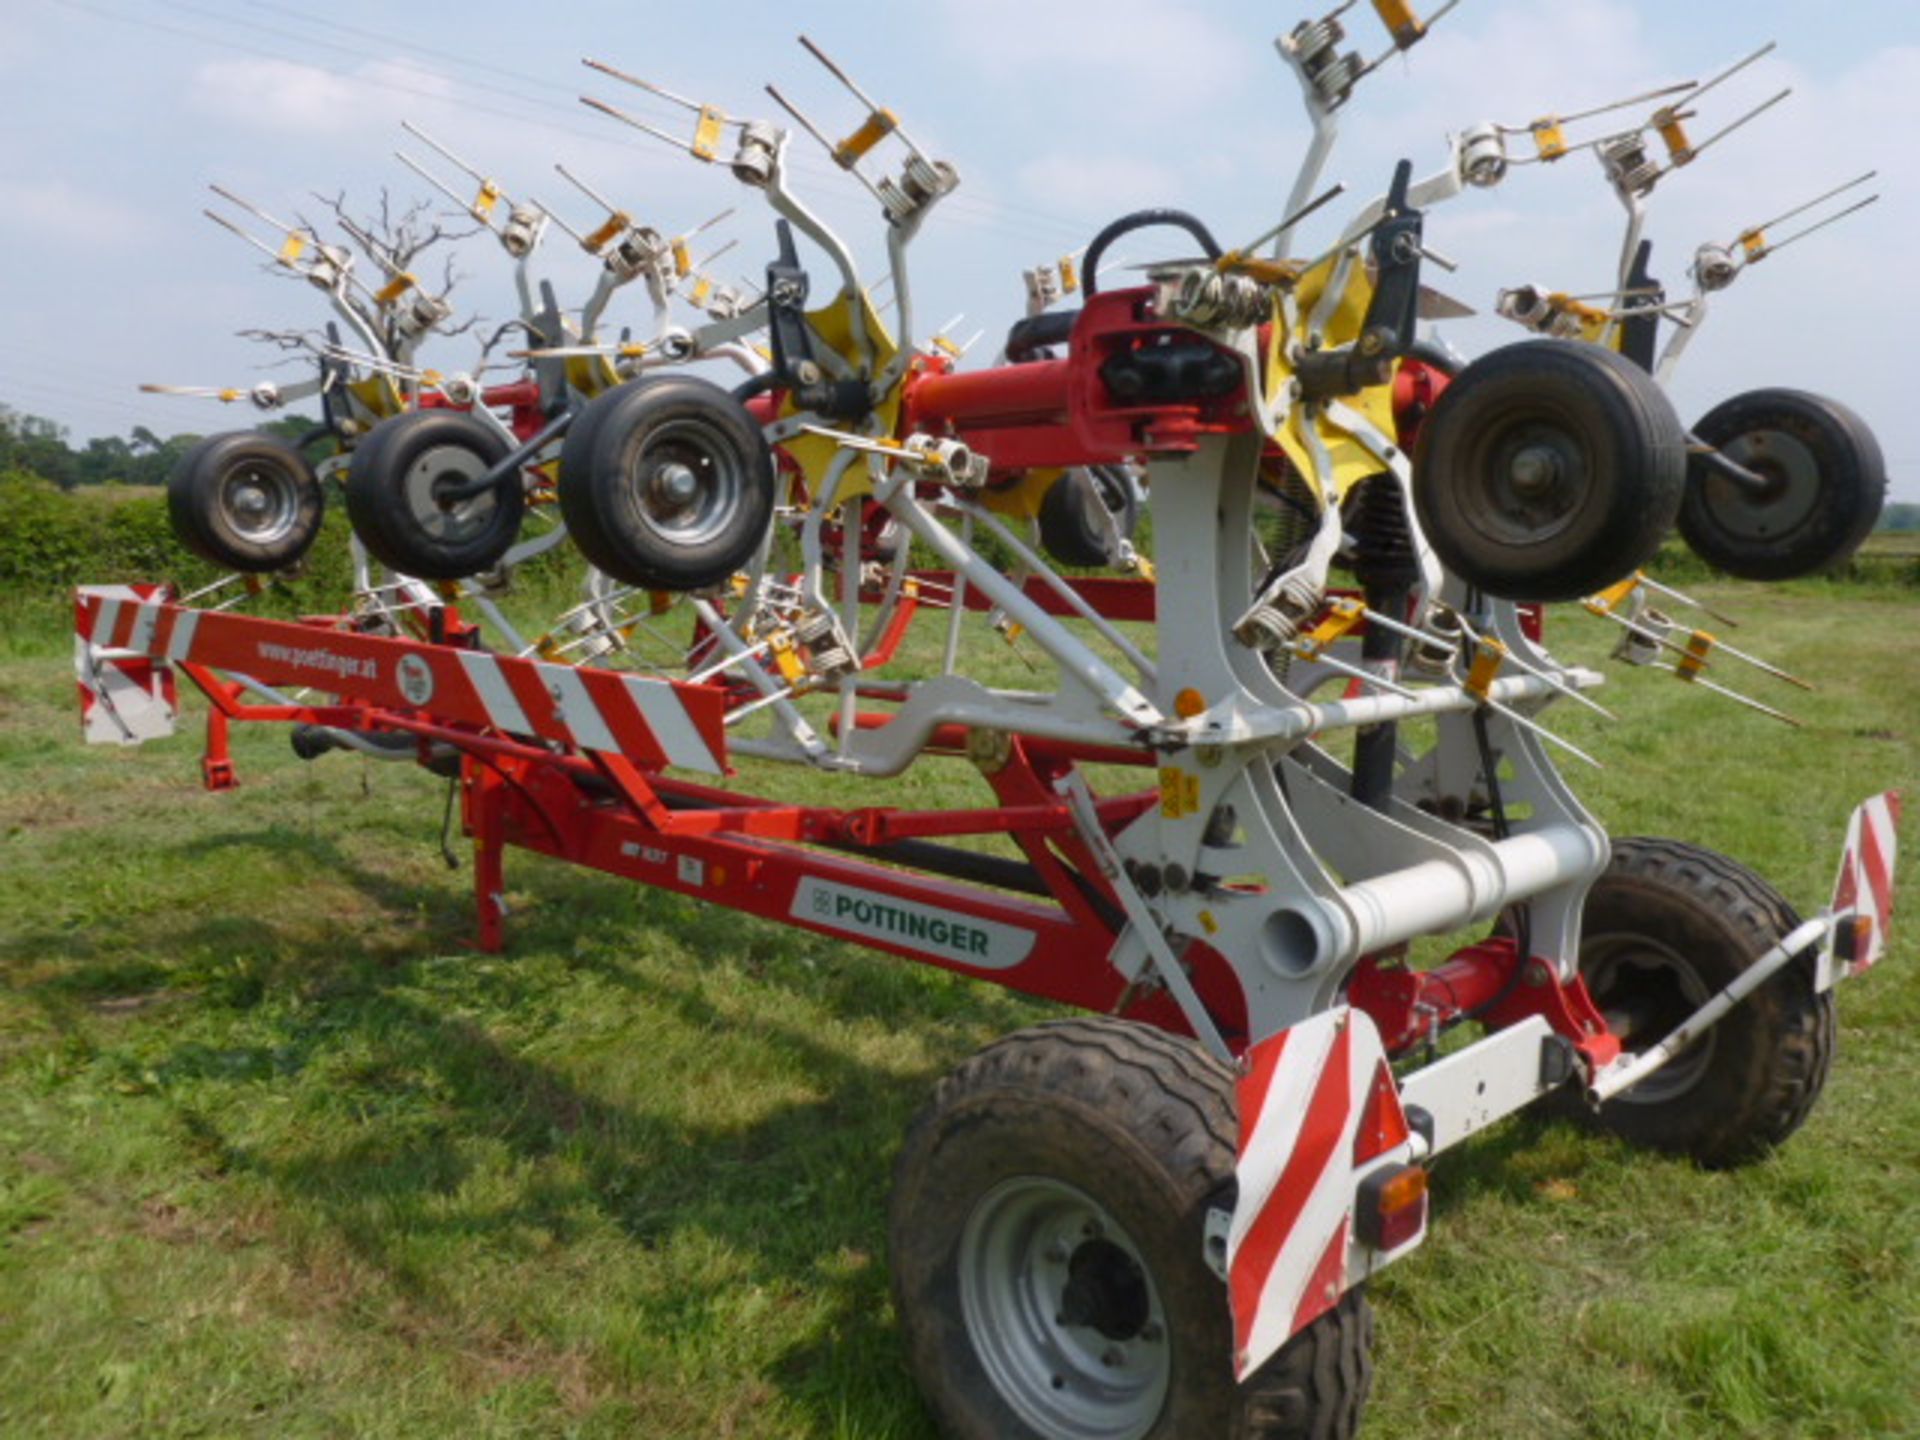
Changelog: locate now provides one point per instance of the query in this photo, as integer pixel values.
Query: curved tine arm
(362, 326)
(789, 205)
(1695, 314)
(1434, 189)
(898, 238)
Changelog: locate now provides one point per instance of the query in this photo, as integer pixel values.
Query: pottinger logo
(969, 939)
(415, 678)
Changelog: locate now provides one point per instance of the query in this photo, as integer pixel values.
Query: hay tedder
(1278, 564)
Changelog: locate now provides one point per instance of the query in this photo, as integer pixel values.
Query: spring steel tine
(1800, 210)
(730, 245)
(1472, 634)
(1734, 69)
(1759, 664)
(638, 83)
(1327, 196)
(251, 208)
(554, 216)
(1545, 734)
(1696, 151)
(618, 114)
(587, 190)
(1685, 599)
(1606, 109)
(1833, 219)
(1735, 695)
(443, 152)
(1365, 677)
(431, 178)
(706, 225)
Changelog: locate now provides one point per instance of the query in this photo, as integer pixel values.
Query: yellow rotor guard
(832, 326)
(1352, 461)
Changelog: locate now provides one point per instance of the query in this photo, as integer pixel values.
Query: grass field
(280, 1157)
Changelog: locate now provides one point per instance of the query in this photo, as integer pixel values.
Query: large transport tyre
(1548, 470)
(245, 501)
(1826, 481)
(1047, 1229)
(1666, 926)
(397, 483)
(1072, 528)
(667, 483)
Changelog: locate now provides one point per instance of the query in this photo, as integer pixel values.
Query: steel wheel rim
(434, 471)
(1670, 990)
(260, 502)
(1792, 496)
(1062, 1312)
(1530, 479)
(686, 480)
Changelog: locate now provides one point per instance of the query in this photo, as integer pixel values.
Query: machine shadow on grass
(574, 1152)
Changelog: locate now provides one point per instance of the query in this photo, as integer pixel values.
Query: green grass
(279, 1156)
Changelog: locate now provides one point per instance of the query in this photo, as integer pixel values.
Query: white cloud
(287, 96)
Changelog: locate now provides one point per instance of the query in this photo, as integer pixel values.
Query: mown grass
(280, 1156)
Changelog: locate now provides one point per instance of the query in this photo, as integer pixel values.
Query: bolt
(1056, 1253)
(1113, 1357)
(1091, 1230)
(1151, 1330)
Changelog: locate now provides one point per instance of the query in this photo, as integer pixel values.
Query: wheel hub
(1062, 1313)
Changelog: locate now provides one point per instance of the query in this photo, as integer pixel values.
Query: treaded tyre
(1046, 1229)
(1826, 481)
(1548, 470)
(1666, 926)
(1073, 517)
(397, 479)
(667, 483)
(245, 501)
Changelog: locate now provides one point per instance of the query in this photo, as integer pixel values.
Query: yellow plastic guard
(1604, 602)
(484, 203)
(792, 668)
(1397, 15)
(394, 289)
(227, 397)
(1548, 138)
(659, 601)
(293, 247)
(1345, 617)
(1679, 147)
(880, 124)
(1069, 275)
(1754, 242)
(682, 258)
(706, 133)
(1699, 645)
(702, 288)
(1593, 321)
(1487, 659)
(601, 238)
(941, 342)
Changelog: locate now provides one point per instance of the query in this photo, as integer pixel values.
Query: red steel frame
(615, 811)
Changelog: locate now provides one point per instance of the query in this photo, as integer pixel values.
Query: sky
(1059, 115)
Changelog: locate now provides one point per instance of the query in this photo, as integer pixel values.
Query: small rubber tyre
(1826, 482)
(667, 483)
(1549, 469)
(245, 501)
(1073, 517)
(1046, 1230)
(397, 479)
(1666, 926)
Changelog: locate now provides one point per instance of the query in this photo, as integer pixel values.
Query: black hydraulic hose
(1141, 220)
(758, 385)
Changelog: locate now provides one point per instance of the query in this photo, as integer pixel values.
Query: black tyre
(1047, 1228)
(1548, 470)
(399, 481)
(1826, 481)
(245, 501)
(1074, 513)
(1666, 927)
(667, 483)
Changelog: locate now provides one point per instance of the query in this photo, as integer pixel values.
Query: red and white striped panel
(652, 722)
(126, 697)
(1317, 1101)
(1865, 884)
